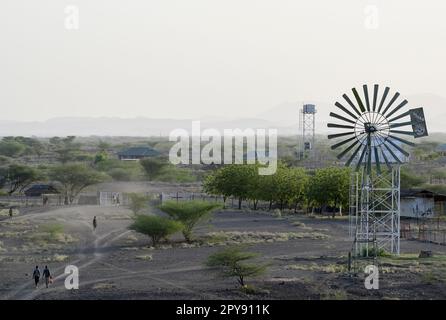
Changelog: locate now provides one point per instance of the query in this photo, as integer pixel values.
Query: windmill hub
(369, 127)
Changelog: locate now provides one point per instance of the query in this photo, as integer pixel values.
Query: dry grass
(49, 234)
(249, 237)
(327, 268)
(56, 258)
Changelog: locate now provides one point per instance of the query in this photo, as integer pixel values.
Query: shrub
(189, 213)
(120, 174)
(152, 167)
(155, 227)
(380, 252)
(231, 263)
(138, 202)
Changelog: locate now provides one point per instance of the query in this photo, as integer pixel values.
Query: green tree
(330, 187)
(152, 167)
(138, 202)
(231, 180)
(298, 184)
(66, 149)
(17, 177)
(410, 179)
(11, 148)
(73, 178)
(189, 213)
(231, 262)
(157, 228)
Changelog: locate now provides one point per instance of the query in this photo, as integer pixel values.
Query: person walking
(36, 276)
(46, 275)
(10, 212)
(95, 223)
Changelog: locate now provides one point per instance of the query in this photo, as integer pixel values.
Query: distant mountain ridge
(284, 117)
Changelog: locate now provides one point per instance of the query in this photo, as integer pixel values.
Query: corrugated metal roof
(441, 148)
(139, 152)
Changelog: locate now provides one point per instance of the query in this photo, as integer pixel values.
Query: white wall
(417, 207)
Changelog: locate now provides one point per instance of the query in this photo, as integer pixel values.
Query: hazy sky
(194, 58)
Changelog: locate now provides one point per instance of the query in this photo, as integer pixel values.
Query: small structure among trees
(39, 190)
(137, 153)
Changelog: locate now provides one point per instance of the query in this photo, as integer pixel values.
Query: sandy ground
(116, 263)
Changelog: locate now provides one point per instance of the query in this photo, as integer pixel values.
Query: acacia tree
(189, 213)
(138, 202)
(73, 178)
(17, 177)
(157, 228)
(231, 262)
(66, 148)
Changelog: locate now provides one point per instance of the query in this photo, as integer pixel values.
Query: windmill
(372, 139)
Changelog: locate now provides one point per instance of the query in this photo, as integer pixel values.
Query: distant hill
(284, 117)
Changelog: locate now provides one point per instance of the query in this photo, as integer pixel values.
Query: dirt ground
(307, 257)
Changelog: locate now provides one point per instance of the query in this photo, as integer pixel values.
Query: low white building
(422, 204)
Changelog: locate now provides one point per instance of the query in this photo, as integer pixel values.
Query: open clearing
(307, 258)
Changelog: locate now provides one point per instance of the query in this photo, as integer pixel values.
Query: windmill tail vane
(375, 126)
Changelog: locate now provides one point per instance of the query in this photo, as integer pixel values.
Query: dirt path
(92, 252)
(89, 252)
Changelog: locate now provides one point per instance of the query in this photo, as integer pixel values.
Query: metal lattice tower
(375, 212)
(307, 123)
(371, 141)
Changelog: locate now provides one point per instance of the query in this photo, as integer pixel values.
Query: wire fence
(427, 230)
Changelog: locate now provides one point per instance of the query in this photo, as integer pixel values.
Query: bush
(121, 170)
(50, 233)
(173, 174)
(120, 174)
(138, 202)
(152, 167)
(11, 148)
(155, 227)
(230, 263)
(380, 252)
(189, 213)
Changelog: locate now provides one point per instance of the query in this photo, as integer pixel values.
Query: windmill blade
(334, 115)
(402, 140)
(378, 165)
(395, 96)
(366, 96)
(398, 147)
(340, 106)
(402, 104)
(375, 96)
(338, 135)
(386, 92)
(351, 104)
(361, 158)
(392, 153)
(400, 116)
(353, 155)
(369, 156)
(358, 99)
(343, 153)
(337, 145)
(342, 126)
(401, 124)
(407, 133)
(385, 159)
